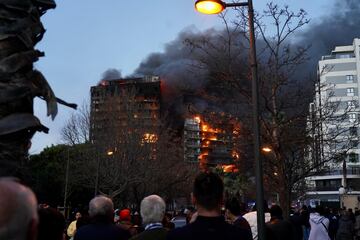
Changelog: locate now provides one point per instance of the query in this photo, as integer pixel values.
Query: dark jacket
(279, 229)
(346, 228)
(296, 221)
(101, 231)
(152, 234)
(209, 228)
(242, 223)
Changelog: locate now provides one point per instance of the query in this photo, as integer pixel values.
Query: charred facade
(125, 107)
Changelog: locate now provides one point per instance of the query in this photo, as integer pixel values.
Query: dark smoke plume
(175, 65)
(338, 28)
(111, 74)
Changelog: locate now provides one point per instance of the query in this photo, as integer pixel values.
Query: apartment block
(334, 123)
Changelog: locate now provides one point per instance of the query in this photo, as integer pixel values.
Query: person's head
(208, 191)
(276, 212)
(77, 215)
(18, 211)
(232, 207)
(101, 208)
(319, 209)
(51, 224)
(152, 209)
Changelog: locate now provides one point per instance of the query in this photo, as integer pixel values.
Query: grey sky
(86, 37)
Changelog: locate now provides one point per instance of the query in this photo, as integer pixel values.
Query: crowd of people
(21, 218)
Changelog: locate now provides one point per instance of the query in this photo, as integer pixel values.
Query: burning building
(211, 140)
(124, 107)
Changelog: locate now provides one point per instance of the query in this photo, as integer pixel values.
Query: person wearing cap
(125, 221)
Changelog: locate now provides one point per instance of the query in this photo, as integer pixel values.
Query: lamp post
(214, 7)
(66, 182)
(109, 152)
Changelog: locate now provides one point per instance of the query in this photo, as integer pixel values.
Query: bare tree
(285, 92)
(133, 152)
(76, 129)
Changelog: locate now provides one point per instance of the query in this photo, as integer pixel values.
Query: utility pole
(66, 181)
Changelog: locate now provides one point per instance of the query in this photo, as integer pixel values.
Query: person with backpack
(319, 225)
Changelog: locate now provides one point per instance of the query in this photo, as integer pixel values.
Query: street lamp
(266, 149)
(214, 7)
(109, 153)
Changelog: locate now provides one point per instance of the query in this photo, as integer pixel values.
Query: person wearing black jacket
(278, 228)
(346, 227)
(210, 224)
(233, 214)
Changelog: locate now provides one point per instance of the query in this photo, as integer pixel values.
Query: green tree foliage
(48, 174)
(48, 171)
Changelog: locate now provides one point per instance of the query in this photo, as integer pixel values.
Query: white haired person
(152, 210)
(18, 211)
(101, 210)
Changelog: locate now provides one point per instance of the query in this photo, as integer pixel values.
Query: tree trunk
(285, 200)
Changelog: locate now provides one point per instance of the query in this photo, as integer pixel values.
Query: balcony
(349, 171)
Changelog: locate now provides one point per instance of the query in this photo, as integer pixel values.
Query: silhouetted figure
(346, 227)
(296, 221)
(305, 217)
(208, 192)
(233, 214)
(51, 224)
(279, 228)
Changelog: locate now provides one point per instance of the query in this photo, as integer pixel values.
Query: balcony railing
(349, 171)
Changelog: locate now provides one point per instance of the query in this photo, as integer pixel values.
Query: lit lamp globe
(210, 6)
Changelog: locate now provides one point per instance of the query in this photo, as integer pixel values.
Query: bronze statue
(20, 30)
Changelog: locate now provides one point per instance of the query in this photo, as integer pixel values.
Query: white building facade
(336, 109)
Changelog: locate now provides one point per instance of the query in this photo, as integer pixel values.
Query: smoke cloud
(175, 65)
(111, 74)
(338, 28)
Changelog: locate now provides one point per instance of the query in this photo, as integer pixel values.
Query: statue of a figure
(20, 30)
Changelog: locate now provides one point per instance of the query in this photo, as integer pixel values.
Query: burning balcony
(210, 140)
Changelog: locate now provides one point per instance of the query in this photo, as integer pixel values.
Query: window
(354, 143)
(334, 105)
(351, 104)
(352, 117)
(353, 131)
(350, 78)
(353, 157)
(344, 55)
(350, 92)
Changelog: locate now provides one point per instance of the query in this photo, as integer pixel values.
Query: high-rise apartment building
(334, 122)
(125, 107)
(211, 140)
